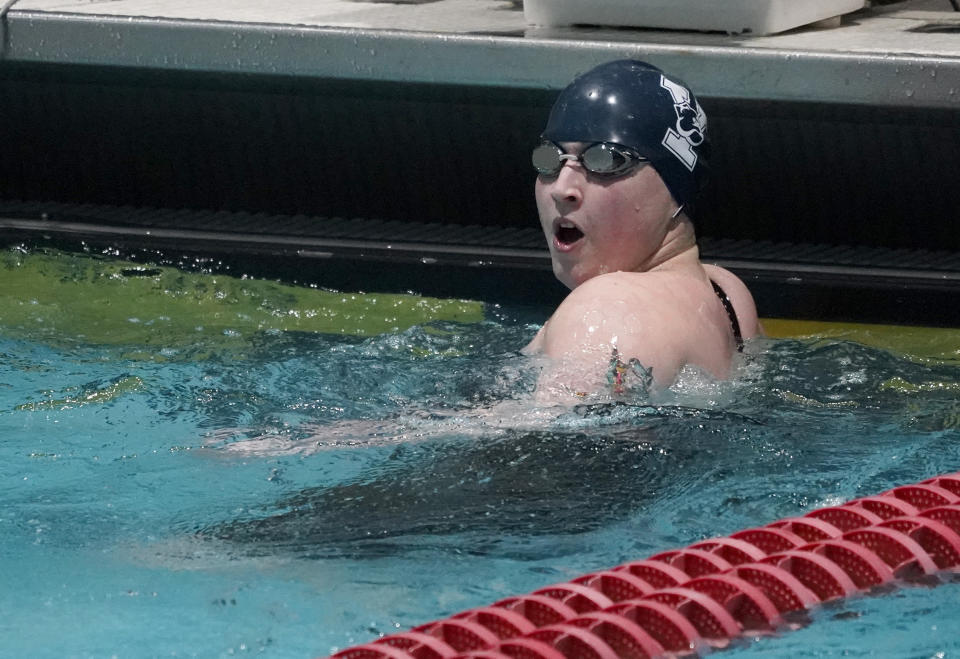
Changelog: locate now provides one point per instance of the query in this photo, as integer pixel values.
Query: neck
(678, 250)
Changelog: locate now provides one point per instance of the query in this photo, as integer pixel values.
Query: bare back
(739, 296)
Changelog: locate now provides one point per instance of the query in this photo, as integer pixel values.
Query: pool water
(190, 468)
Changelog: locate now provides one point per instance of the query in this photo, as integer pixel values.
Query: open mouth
(567, 233)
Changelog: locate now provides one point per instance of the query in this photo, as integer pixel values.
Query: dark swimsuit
(734, 323)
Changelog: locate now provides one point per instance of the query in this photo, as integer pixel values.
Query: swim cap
(637, 105)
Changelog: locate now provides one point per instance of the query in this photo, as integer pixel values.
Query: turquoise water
(312, 491)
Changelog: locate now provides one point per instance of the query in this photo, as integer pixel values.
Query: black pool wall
(454, 154)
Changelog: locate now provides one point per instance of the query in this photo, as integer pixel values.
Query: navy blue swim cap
(636, 105)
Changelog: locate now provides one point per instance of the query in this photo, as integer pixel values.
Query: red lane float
(687, 601)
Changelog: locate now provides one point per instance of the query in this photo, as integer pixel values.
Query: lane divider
(689, 601)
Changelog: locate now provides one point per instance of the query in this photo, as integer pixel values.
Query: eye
(609, 160)
(617, 160)
(546, 159)
(604, 159)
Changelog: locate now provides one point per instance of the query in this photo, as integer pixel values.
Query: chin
(563, 276)
(569, 279)
(571, 272)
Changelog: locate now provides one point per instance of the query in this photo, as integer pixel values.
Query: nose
(567, 188)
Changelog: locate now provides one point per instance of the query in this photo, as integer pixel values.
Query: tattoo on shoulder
(619, 374)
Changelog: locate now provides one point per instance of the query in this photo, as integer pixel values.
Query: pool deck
(902, 54)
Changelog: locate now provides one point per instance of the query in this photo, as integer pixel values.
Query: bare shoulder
(740, 298)
(661, 295)
(662, 319)
(626, 296)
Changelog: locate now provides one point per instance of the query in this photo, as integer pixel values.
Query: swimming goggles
(601, 158)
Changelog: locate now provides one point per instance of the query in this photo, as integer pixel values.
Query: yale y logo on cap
(691, 125)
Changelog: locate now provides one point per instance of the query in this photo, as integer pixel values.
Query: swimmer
(619, 166)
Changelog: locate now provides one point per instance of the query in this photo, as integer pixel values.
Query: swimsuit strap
(734, 323)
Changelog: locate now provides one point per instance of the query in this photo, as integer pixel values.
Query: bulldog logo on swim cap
(637, 105)
(691, 128)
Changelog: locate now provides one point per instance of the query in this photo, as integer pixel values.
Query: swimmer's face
(596, 225)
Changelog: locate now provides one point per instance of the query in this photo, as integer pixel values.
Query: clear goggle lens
(601, 158)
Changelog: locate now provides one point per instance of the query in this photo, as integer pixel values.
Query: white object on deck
(731, 16)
